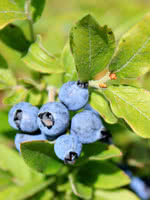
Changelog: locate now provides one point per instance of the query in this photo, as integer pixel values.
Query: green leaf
(12, 162)
(122, 194)
(34, 97)
(11, 11)
(132, 58)
(101, 105)
(101, 174)
(7, 80)
(36, 184)
(55, 80)
(4, 127)
(132, 104)
(68, 63)
(43, 195)
(40, 60)
(5, 179)
(37, 7)
(92, 46)
(14, 38)
(39, 155)
(80, 189)
(15, 96)
(3, 62)
(98, 151)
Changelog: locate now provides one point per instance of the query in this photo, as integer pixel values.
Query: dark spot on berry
(46, 119)
(124, 40)
(71, 158)
(17, 118)
(82, 84)
(106, 136)
(110, 32)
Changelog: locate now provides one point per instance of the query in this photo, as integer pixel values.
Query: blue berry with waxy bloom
(19, 138)
(74, 95)
(67, 148)
(87, 127)
(23, 116)
(53, 119)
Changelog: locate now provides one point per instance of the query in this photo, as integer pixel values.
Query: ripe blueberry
(74, 95)
(87, 127)
(23, 116)
(53, 119)
(19, 138)
(68, 148)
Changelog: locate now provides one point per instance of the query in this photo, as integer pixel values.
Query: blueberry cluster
(53, 120)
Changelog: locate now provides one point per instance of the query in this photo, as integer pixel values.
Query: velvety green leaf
(101, 105)
(36, 184)
(15, 96)
(40, 60)
(39, 155)
(92, 46)
(121, 194)
(37, 7)
(12, 162)
(69, 65)
(132, 58)
(11, 11)
(132, 104)
(7, 79)
(79, 189)
(13, 37)
(98, 151)
(101, 174)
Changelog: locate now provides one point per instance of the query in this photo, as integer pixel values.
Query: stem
(29, 18)
(96, 83)
(51, 93)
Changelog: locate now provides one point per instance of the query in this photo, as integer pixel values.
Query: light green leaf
(36, 184)
(12, 162)
(121, 194)
(34, 97)
(101, 105)
(79, 189)
(7, 80)
(101, 174)
(5, 179)
(132, 104)
(132, 58)
(40, 60)
(39, 155)
(92, 46)
(54, 80)
(15, 96)
(98, 151)
(5, 127)
(69, 65)
(11, 11)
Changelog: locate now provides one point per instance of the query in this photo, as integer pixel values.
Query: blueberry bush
(84, 130)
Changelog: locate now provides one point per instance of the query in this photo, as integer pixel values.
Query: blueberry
(68, 148)
(74, 95)
(19, 138)
(87, 127)
(53, 119)
(23, 116)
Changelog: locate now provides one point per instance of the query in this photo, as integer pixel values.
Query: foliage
(30, 72)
